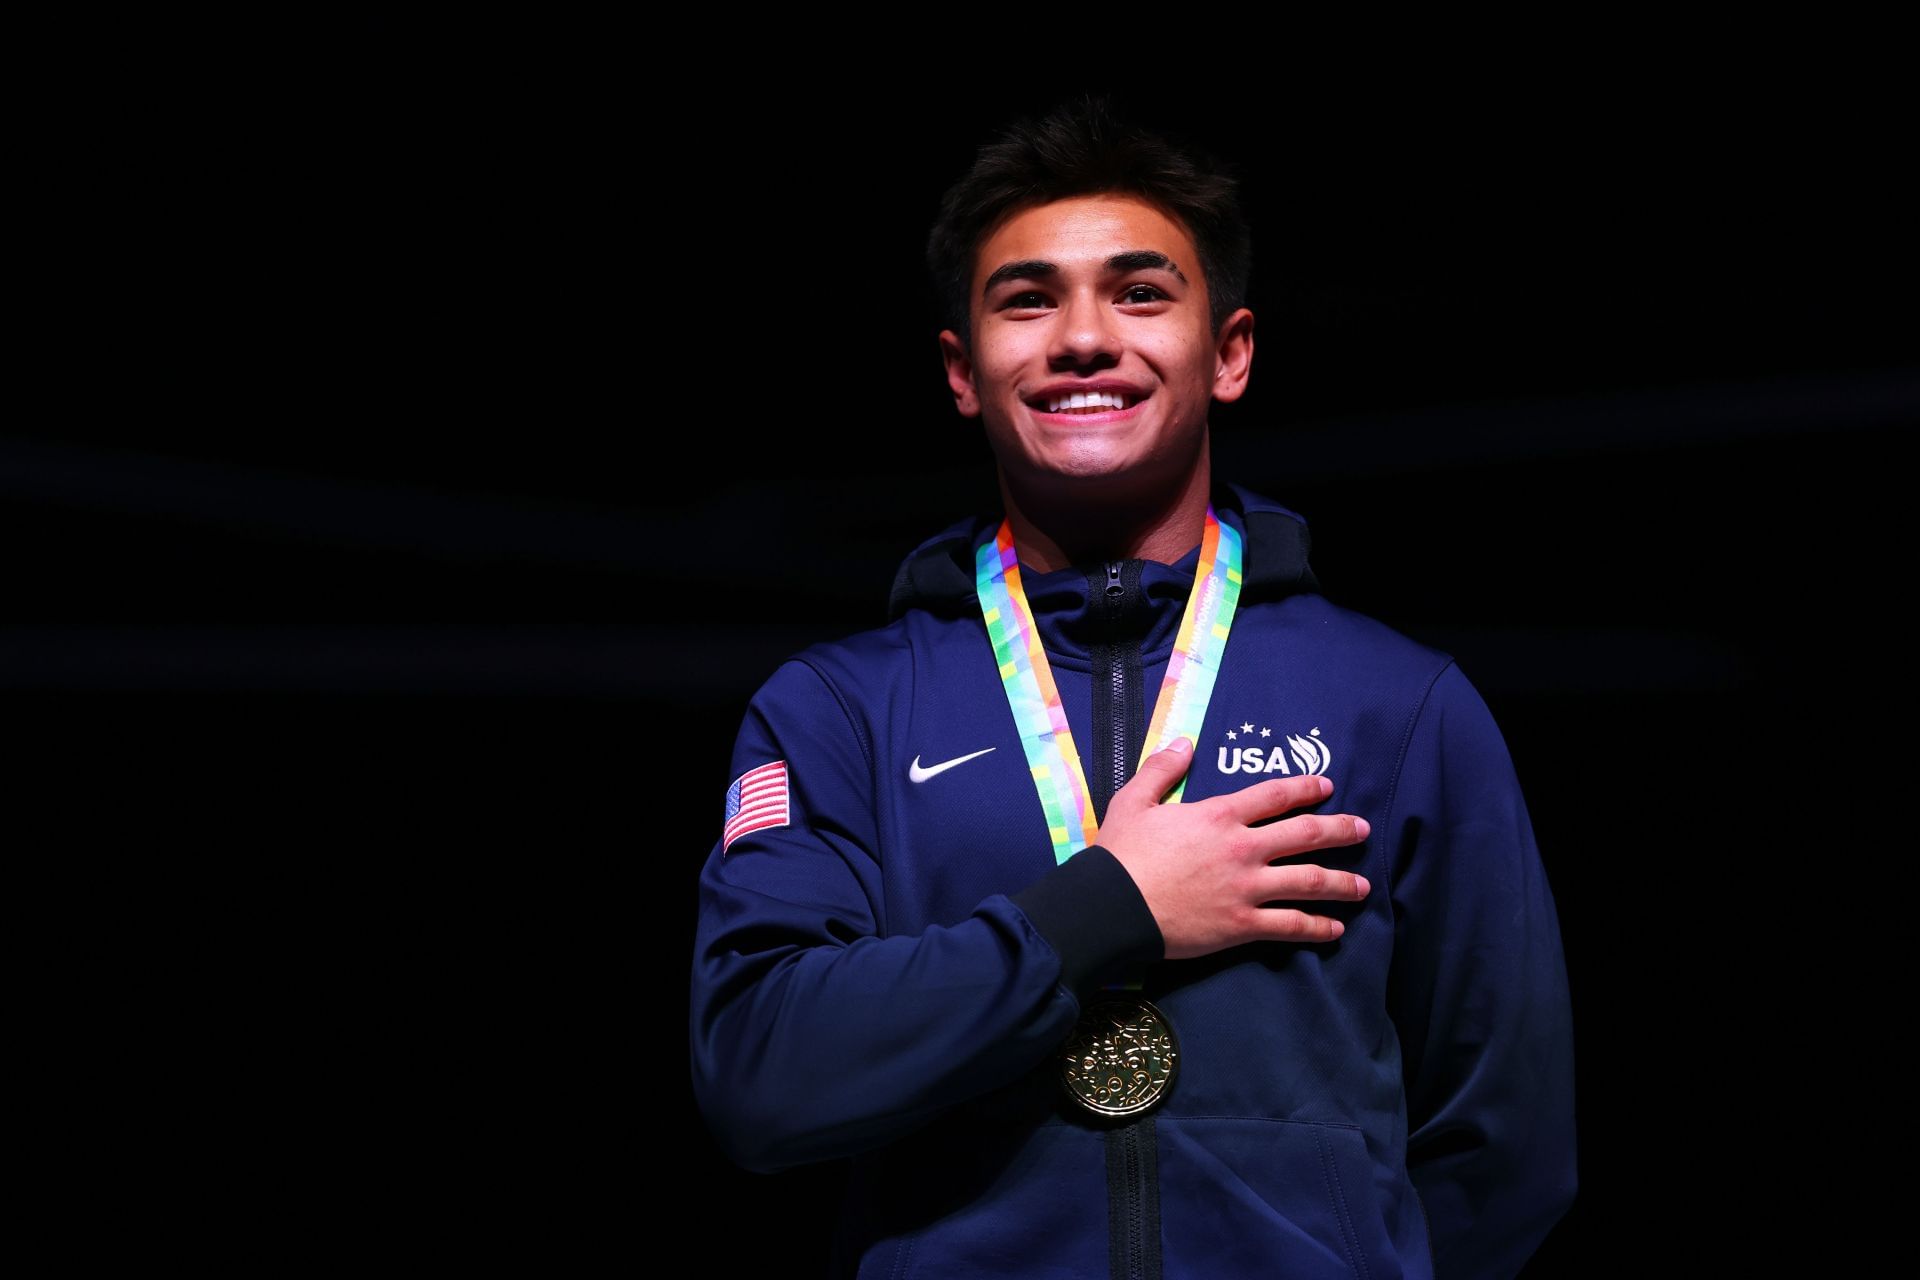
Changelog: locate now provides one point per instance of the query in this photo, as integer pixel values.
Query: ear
(1234, 356)
(966, 397)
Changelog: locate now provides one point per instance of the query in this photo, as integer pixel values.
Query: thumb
(1161, 770)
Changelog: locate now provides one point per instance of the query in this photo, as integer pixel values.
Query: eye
(1017, 300)
(1154, 294)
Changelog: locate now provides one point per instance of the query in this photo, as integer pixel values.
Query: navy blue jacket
(889, 974)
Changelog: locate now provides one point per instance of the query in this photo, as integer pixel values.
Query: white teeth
(1087, 402)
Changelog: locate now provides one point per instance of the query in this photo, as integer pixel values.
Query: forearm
(1480, 996)
(811, 1052)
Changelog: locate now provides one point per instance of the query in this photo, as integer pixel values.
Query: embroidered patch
(756, 800)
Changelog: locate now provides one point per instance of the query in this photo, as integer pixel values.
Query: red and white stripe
(763, 802)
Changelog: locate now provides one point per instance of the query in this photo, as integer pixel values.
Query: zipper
(1132, 1205)
(1133, 1201)
(1136, 1227)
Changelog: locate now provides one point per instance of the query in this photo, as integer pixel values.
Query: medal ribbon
(1178, 711)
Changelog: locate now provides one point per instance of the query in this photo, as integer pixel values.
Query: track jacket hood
(888, 959)
(938, 575)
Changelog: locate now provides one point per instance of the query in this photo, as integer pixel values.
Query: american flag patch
(756, 800)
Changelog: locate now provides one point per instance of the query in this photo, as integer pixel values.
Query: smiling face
(1093, 359)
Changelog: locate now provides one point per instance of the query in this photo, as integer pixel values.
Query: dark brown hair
(1086, 146)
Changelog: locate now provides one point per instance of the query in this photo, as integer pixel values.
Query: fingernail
(1362, 826)
(1326, 786)
(1365, 888)
(1180, 746)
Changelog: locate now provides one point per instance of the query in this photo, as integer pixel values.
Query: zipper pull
(1114, 589)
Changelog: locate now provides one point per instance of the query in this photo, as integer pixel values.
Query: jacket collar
(938, 574)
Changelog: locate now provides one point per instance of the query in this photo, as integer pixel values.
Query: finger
(1284, 924)
(1265, 799)
(1305, 832)
(1155, 776)
(1303, 883)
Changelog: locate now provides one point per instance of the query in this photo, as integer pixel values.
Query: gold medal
(1121, 1058)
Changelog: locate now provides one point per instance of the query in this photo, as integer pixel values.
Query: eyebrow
(1040, 268)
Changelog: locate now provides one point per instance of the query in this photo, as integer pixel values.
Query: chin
(1090, 481)
(1086, 457)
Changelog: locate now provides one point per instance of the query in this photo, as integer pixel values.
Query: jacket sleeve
(1478, 994)
(815, 1033)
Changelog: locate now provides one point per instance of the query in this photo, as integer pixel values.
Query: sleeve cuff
(1092, 914)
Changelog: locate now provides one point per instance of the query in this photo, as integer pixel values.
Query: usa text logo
(1309, 754)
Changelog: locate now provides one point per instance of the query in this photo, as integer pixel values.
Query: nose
(1085, 332)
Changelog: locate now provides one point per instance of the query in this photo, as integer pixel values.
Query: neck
(1053, 530)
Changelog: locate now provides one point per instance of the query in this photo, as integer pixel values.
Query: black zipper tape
(1133, 1200)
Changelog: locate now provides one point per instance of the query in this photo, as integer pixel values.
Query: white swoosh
(918, 774)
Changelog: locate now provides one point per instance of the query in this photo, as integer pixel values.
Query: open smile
(1086, 410)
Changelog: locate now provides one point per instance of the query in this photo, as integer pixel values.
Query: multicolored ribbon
(1178, 712)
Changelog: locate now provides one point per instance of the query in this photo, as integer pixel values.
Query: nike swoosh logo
(918, 774)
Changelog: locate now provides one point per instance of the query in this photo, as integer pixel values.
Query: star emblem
(1231, 735)
(1266, 732)
(1246, 728)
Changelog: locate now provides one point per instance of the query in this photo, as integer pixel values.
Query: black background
(436, 436)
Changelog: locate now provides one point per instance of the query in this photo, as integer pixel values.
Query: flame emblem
(1310, 754)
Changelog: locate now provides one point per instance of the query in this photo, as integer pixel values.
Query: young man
(1125, 907)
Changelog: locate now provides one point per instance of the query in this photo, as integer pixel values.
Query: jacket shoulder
(1362, 641)
(857, 666)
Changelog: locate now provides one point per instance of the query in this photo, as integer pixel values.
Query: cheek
(998, 367)
(1190, 375)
